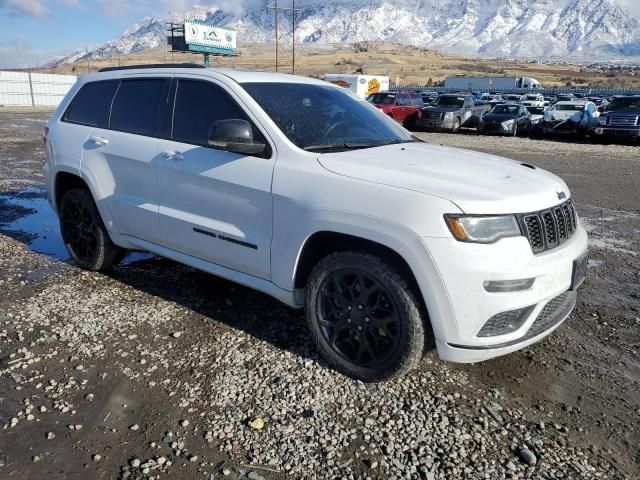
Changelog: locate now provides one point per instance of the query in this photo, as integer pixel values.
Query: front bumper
(607, 131)
(463, 269)
(434, 124)
(495, 129)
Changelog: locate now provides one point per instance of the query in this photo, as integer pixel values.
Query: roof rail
(152, 65)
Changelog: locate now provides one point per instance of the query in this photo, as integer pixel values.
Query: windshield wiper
(332, 147)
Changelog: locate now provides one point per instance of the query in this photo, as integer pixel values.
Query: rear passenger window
(91, 104)
(198, 106)
(137, 106)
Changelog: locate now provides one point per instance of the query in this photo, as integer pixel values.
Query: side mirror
(601, 109)
(234, 135)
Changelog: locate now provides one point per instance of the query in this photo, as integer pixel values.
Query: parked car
(512, 97)
(532, 100)
(569, 118)
(296, 188)
(621, 119)
(450, 112)
(487, 98)
(505, 119)
(535, 121)
(564, 97)
(403, 107)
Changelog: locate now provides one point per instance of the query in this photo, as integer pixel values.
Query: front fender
(405, 242)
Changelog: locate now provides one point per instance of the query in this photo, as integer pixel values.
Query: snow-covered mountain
(561, 29)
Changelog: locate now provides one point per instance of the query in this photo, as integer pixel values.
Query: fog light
(505, 322)
(494, 286)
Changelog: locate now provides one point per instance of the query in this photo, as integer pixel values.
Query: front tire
(84, 234)
(363, 317)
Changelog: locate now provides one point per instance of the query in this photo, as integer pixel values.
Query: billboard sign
(204, 37)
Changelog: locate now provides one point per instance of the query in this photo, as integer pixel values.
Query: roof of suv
(240, 76)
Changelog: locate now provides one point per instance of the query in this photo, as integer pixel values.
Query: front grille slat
(548, 229)
(623, 120)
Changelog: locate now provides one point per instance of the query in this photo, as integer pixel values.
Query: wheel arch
(323, 243)
(65, 181)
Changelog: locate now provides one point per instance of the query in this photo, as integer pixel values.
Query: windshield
(533, 97)
(383, 98)
(574, 108)
(508, 109)
(448, 101)
(630, 104)
(323, 118)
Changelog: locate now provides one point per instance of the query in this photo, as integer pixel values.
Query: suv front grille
(550, 228)
(623, 120)
(426, 114)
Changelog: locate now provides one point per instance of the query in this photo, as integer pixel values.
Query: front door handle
(99, 140)
(172, 155)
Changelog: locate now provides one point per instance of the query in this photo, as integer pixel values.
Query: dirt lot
(155, 370)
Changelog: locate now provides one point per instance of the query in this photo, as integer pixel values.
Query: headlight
(508, 124)
(479, 229)
(448, 115)
(602, 120)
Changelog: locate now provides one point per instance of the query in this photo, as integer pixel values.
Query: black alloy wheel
(358, 318)
(84, 234)
(364, 316)
(79, 229)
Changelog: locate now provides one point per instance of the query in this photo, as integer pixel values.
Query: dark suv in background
(621, 119)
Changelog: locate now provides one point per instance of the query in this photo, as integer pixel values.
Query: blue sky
(34, 31)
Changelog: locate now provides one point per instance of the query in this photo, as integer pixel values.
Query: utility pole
(294, 11)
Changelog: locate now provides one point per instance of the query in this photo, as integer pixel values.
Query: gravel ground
(155, 370)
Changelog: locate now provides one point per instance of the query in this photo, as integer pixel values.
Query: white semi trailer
(498, 83)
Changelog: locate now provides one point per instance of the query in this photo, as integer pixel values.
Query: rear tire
(84, 234)
(363, 317)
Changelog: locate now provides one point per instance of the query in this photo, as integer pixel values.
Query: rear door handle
(99, 140)
(171, 155)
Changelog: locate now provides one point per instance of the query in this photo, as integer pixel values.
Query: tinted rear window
(92, 103)
(136, 108)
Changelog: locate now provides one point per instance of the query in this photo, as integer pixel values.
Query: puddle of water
(41, 225)
(43, 228)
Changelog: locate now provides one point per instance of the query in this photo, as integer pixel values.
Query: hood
(477, 183)
(498, 117)
(444, 108)
(564, 115)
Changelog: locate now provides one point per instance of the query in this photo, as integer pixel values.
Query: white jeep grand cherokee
(293, 187)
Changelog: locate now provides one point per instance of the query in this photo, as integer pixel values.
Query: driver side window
(198, 105)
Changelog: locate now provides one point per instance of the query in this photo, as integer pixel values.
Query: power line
(294, 12)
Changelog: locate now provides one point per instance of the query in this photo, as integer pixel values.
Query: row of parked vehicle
(532, 114)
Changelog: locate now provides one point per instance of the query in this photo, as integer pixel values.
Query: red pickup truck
(403, 107)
